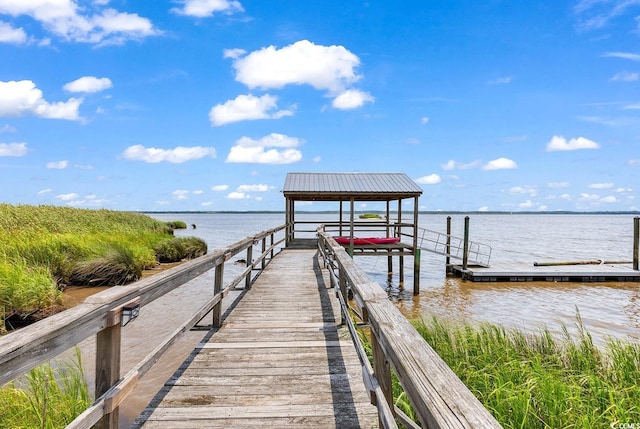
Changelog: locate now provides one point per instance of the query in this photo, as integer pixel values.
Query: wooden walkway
(279, 360)
(527, 272)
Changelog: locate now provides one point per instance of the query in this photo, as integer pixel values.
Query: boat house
(380, 235)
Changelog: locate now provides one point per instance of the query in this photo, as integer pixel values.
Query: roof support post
(352, 203)
(416, 249)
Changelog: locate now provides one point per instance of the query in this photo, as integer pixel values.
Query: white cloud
(180, 194)
(352, 99)
(57, 165)
(424, 120)
(501, 80)
(88, 84)
(454, 165)
(483, 209)
(330, 68)
(526, 205)
(559, 143)
(431, 179)
(65, 19)
(253, 188)
(625, 76)
(233, 53)
(67, 197)
(45, 191)
(500, 164)
(247, 107)
(9, 34)
(247, 150)
(601, 186)
(589, 197)
(219, 188)
(177, 155)
(238, 196)
(19, 98)
(7, 129)
(526, 190)
(558, 185)
(13, 149)
(205, 8)
(623, 55)
(609, 199)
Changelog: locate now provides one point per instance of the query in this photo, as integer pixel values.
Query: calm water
(607, 309)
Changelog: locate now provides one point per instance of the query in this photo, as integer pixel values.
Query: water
(607, 309)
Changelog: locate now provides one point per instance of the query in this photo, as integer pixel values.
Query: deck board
(279, 360)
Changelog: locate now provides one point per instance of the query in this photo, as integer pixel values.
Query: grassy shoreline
(536, 380)
(47, 248)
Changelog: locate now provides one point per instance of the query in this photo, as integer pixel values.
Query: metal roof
(343, 186)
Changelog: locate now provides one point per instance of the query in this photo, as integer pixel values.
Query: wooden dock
(279, 360)
(527, 272)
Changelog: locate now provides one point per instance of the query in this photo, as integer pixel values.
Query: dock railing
(454, 247)
(438, 397)
(102, 315)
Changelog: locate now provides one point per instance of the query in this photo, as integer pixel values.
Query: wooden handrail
(438, 396)
(99, 315)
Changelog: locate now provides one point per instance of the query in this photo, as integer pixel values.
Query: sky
(489, 105)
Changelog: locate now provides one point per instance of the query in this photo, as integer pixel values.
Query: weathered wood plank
(278, 360)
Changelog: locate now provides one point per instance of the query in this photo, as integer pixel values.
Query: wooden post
(293, 221)
(352, 204)
(400, 258)
(416, 272)
(416, 250)
(340, 220)
(465, 251)
(342, 279)
(264, 248)
(271, 245)
(636, 241)
(247, 282)
(108, 365)
(287, 221)
(217, 287)
(388, 231)
(382, 371)
(447, 261)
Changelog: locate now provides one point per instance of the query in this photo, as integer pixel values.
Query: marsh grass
(45, 248)
(538, 380)
(49, 396)
(180, 248)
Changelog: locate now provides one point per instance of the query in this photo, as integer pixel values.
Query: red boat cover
(368, 240)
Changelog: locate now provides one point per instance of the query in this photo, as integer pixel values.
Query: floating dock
(528, 272)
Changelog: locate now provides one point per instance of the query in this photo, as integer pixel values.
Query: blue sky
(207, 104)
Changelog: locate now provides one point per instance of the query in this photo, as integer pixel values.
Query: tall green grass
(49, 396)
(538, 381)
(45, 248)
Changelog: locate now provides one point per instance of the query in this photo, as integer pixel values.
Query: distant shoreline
(395, 211)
